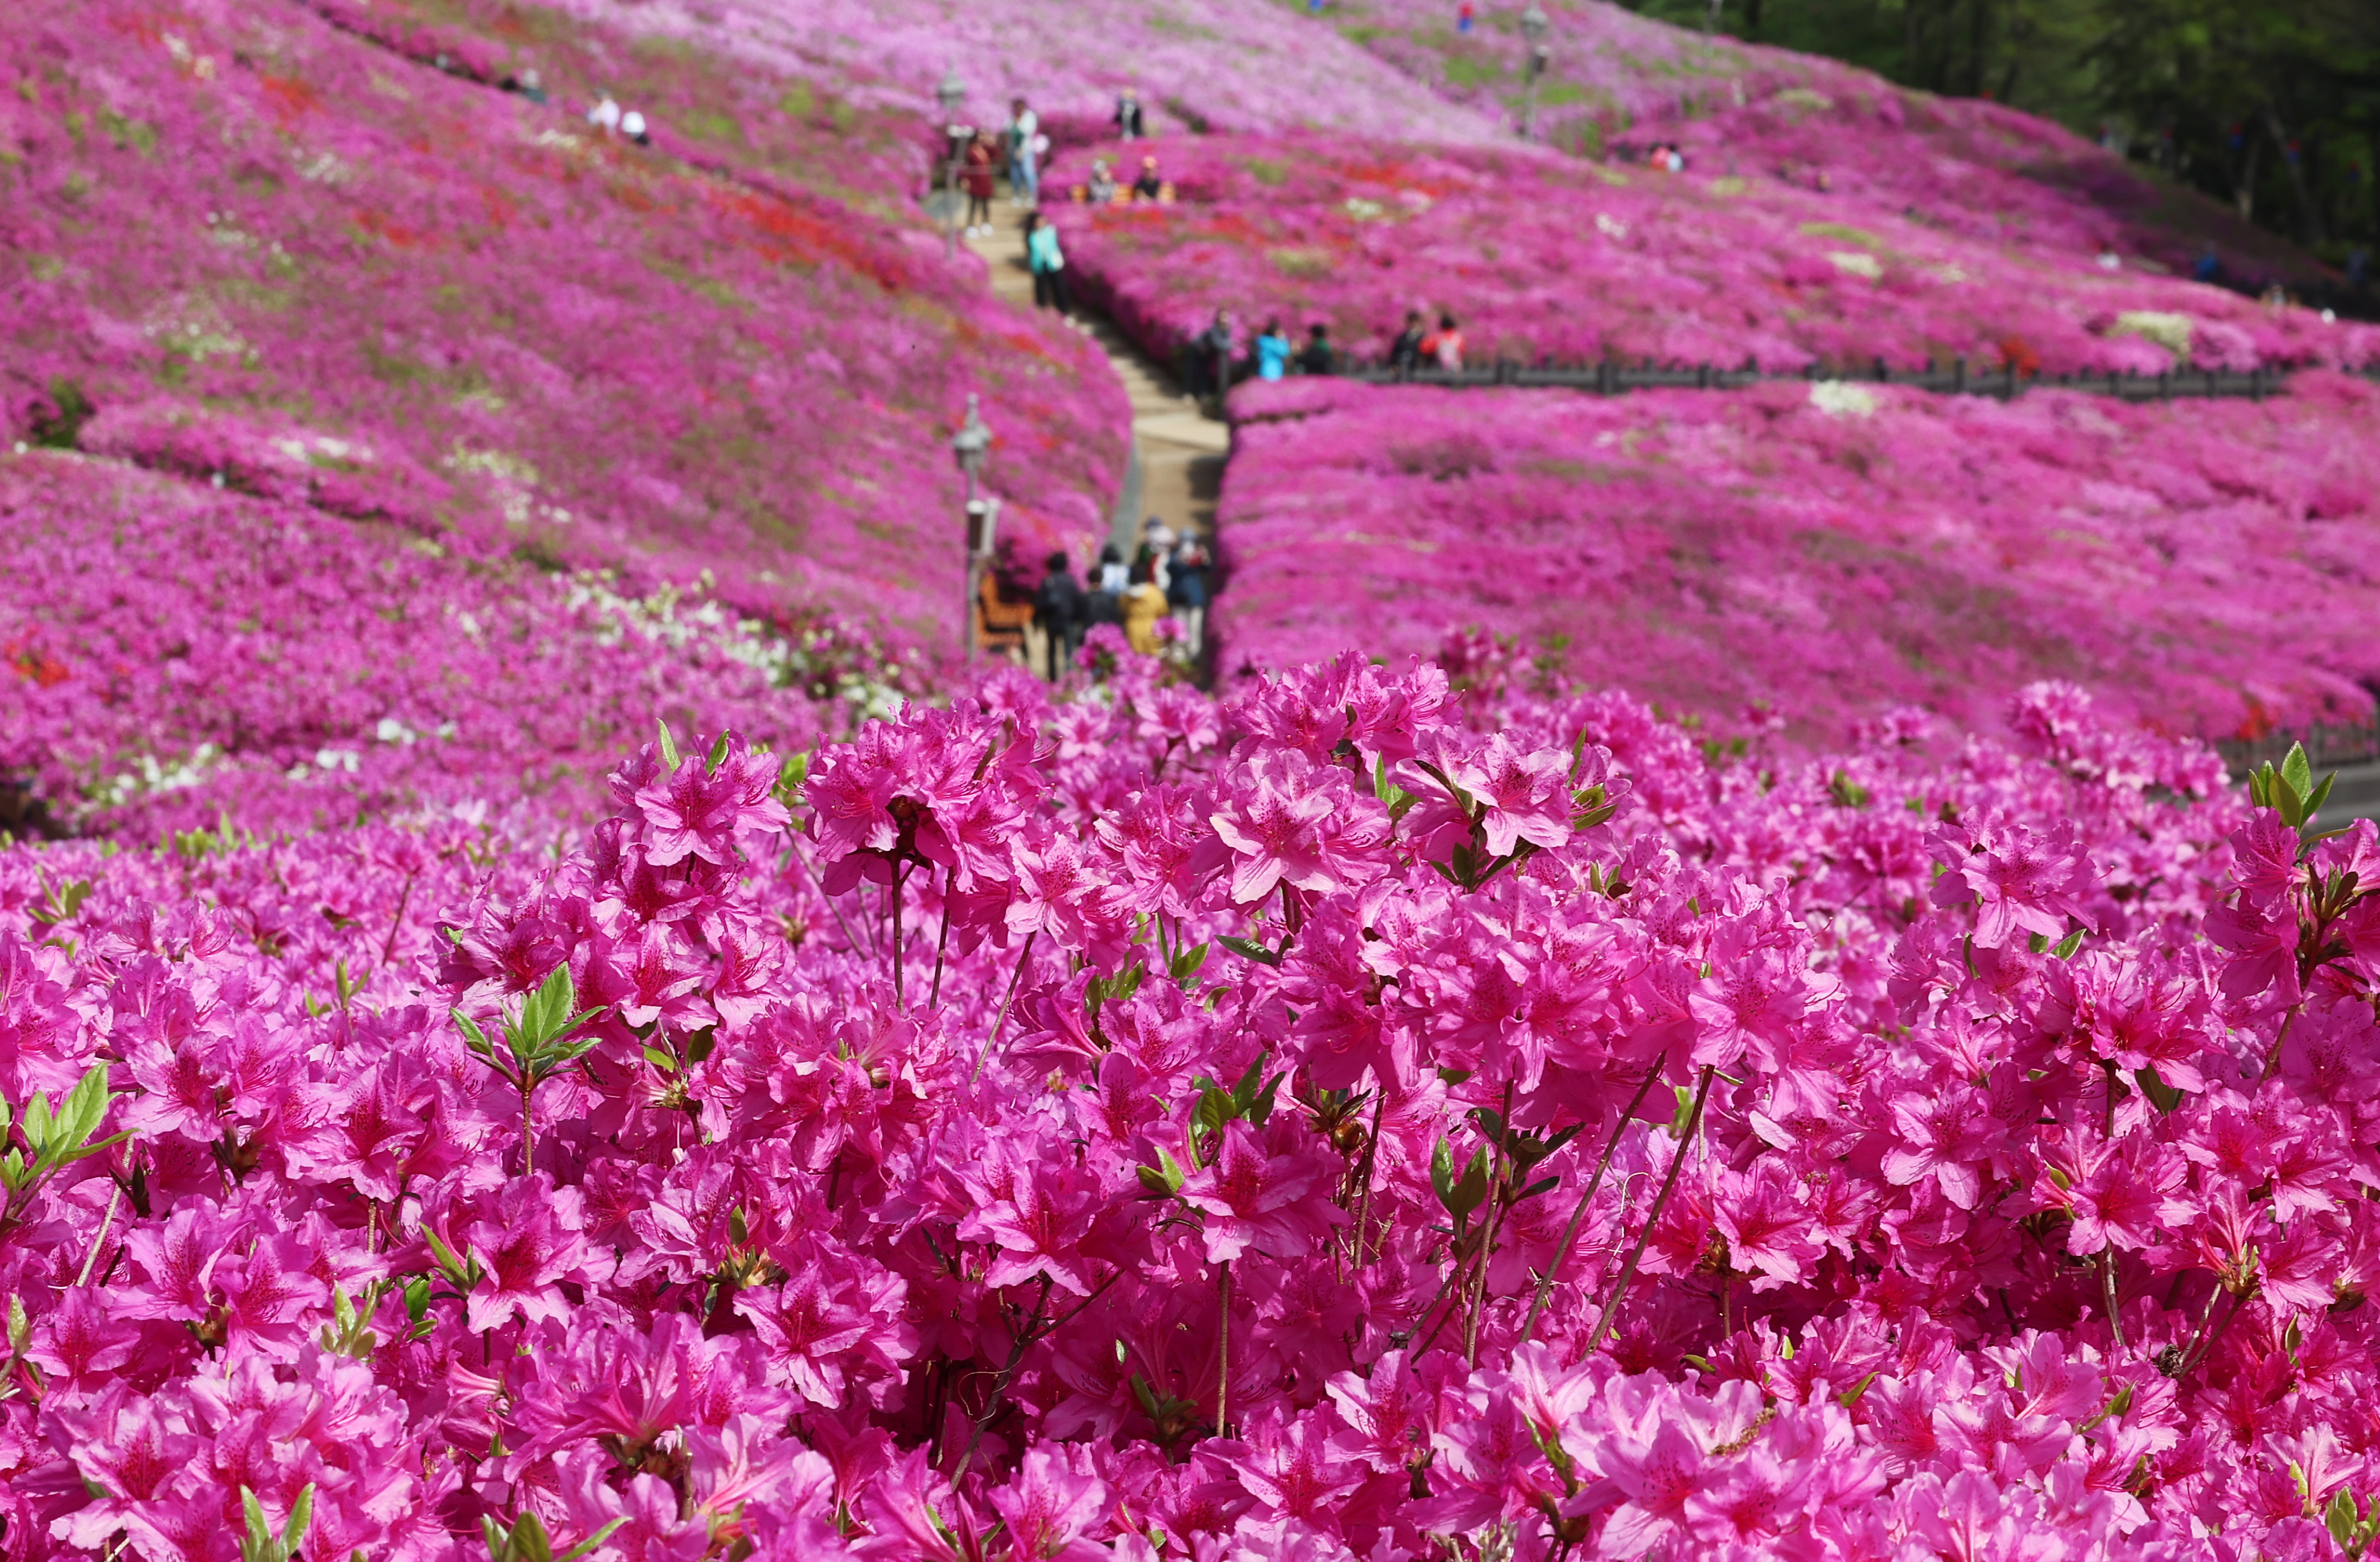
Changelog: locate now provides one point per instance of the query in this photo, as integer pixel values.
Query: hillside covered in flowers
(247, 244)
(546, 1017)
(1829, 551)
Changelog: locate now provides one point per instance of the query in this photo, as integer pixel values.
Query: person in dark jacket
(1059, 610)
(1210, 359)
(1104, 604)
(1186, 590)
(1318, 357)
(1405, 353)
(1127, 117)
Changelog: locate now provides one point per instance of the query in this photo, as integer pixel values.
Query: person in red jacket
(975, 179)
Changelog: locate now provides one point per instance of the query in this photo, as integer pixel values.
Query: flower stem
(1224, 1356)
(1652, 1216)
(1578, 1215)
(1371, 1154)
(934, 998)
(1002, 1023)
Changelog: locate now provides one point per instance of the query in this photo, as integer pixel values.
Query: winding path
(1177, 452)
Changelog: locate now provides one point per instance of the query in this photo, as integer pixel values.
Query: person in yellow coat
(1144, 604)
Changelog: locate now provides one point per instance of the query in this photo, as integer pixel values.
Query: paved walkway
(1177, 469)
(2355, 795)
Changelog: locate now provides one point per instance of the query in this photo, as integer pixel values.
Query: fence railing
(2328, 746)
(1611, 378)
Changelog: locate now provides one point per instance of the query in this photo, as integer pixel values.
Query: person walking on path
(1024, 168)
(1046, 263)
(1127, 119)
(1210, 359)
(1156, 548)
(1405, 352)
(1060, 609)
(1318, 357)
(1112, 576)
(1144, 604)
(1272, 352)
(1185, 587)
(975, 179)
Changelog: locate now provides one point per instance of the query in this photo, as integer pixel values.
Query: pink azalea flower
(1259, 1195)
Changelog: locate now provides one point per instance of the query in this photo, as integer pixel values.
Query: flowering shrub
(172, 656)
(1309, 1126)
(1231, 64)
(1543, 257)
(263, 247)
(1617, 82)
(1827, 551)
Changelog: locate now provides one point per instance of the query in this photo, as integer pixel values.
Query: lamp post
(951, 92)
(969, 445)
(1534, 27)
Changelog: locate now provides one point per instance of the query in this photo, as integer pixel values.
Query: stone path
(1177, 466)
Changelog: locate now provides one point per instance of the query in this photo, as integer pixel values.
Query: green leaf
(2319, 796)
(590, 1543)
(85, 1106)
(448, 1264)
(2289, 801)
(473, 1037)
(256, 1543)
(1259, 1111)
(2296, 771)
(2156, 1090)
(660, 1059)
(1248, 949)
(1543, 1184)
(1471, 1191)
(698, 1045)
(2037, 943)
(20, 1328)
(301, 1518)
(669, 748)
(1214, 1110)
(38, 1126)
(1441, 1173)
(1187, 961)
(2067, 945)
(2339, 1518)
(718, 754)
(1243, 1094)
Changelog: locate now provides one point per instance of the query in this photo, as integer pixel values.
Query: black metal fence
(1610, 378)
(2328, 746)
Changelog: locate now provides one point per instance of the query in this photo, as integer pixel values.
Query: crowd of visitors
(1158, 596)
(1165, 582)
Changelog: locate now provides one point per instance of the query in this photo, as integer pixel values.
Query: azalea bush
(1826, 552)
(1395, 1112)
(1198, 65)
(245, 244)
(1546, 259)
(172, 656)
(1616, 84)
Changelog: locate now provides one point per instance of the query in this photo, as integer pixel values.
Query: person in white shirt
(1024, 155)
(632, 125)
(605, 116)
